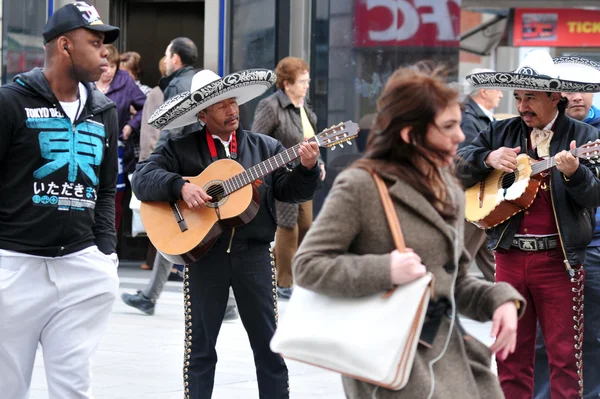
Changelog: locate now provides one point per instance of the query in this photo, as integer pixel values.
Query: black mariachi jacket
(159, 178)
(573, 201)
(57, 179)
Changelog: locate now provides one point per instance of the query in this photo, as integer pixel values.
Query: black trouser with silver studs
(248, 270)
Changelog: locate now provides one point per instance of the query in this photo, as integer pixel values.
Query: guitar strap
(213, 150)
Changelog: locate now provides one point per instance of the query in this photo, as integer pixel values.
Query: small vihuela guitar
(184, 235)
(502, 195)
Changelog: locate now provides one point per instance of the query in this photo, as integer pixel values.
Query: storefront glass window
(358, 44)
(22, 42)
(252, 43)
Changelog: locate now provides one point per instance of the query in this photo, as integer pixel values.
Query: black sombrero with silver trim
(537, 72)
(207, 89)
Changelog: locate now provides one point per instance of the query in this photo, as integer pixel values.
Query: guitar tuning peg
(333, 148)
(349, 143)
(341, 145)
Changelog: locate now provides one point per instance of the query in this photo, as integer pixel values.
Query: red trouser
(556, 300)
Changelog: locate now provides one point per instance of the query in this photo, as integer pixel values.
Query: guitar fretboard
(262, 169)
(541, 166)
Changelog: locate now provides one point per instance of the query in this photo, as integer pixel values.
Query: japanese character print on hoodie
(57, 178)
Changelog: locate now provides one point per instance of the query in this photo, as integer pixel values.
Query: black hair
(185, 49)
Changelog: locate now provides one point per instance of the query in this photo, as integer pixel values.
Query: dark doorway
(147, 26)
(152, 25)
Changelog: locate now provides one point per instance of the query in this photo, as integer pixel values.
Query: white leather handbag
(372, 338)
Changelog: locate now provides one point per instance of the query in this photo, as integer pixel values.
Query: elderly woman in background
(122, 90)
(286, 116)
(350, 252)
(131, 62)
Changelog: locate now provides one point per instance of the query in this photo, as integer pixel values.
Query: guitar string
(511, 176)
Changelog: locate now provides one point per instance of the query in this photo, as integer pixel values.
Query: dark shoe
(176, 276)
(284, 292)
(231, 313)
(140, 302)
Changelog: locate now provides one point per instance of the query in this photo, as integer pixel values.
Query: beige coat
(347, 253)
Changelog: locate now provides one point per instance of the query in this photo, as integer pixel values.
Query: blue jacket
(594, 120)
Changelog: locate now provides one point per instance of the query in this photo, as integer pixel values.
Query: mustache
(527, 114)
(231, 119)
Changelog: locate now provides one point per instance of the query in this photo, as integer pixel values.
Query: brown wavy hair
(288, 69)
(412, 97)
(113, 55)
(132, 61)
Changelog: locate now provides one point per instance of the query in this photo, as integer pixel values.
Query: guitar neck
(262, 169)
(546, 164)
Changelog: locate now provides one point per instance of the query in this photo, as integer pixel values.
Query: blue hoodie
(594, 120)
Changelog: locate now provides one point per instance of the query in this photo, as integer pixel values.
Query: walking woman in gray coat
(350, 252)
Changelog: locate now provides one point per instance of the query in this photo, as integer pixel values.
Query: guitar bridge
(179, 217)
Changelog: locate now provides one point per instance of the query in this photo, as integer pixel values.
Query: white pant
(62, 303)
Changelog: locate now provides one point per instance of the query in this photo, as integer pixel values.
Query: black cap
(78, 15)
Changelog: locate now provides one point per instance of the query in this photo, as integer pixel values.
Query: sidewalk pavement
(142, 356)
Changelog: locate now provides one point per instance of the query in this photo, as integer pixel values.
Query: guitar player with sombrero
(539, 247)
(240, 256)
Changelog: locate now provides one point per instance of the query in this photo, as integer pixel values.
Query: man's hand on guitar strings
(566, 162)
(309, 152)
(504, 159)
(194, 196)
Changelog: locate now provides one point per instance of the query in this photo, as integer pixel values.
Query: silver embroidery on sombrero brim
(183, 103)
(576, 60)
(526, 81)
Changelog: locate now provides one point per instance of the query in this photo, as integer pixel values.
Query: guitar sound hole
(217, 192)
(508, 179)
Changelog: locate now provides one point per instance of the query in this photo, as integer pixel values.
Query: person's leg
(591, 335)
(305, 218)
(286, 244)
(476, 242)
(231, 312)
(150, 257)
(541, 370)
(86, 287)
(118, 208)
(160, 276)
(252, 280)
(516, 371)
(27, 300)
(206, 289)
(558, 300)
(145, 300)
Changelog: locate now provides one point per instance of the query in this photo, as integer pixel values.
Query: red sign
(556, 27)
(406, 23)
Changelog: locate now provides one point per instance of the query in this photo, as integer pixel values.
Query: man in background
(477, 115)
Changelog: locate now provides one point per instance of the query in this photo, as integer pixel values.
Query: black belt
(532, 244)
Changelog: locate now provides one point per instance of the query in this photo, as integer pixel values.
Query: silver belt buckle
(528, 244)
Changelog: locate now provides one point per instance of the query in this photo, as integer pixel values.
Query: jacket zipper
(231, 240)
(566, 261)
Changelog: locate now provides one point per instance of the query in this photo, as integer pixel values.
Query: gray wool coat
(347, 253)
(279, 118)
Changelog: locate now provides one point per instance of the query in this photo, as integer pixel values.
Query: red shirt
(539, 219)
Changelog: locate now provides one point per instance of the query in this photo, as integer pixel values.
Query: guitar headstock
(337, 135)
(589, 151)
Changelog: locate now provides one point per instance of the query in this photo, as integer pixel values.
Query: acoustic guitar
(502, 195)
(183, 235)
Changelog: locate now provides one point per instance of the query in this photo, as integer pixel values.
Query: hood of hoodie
(593, 117)
(35, 82)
